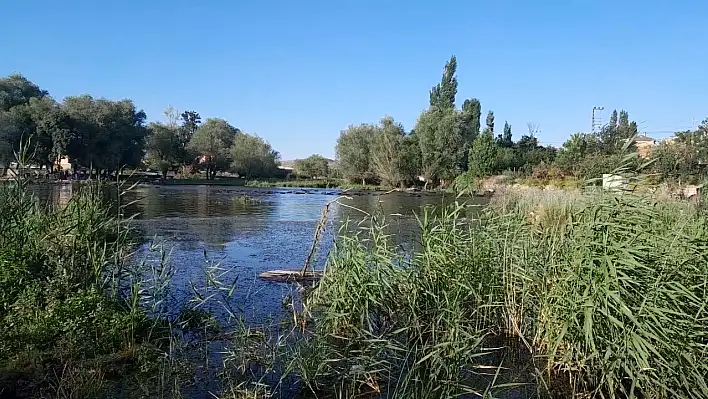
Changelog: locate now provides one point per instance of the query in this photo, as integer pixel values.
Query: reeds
(607, 291)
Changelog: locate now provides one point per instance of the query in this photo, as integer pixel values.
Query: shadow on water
(273, 229)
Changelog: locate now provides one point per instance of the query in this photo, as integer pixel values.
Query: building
(644, 145)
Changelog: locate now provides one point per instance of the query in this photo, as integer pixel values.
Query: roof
(643, 138)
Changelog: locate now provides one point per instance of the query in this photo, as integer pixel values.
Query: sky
(298, 72)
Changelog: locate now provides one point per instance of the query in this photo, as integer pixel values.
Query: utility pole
(596, 125)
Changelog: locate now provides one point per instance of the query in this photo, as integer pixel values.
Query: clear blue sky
(298, 72)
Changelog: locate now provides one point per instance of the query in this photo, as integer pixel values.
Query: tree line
(447, 143)
(451, 146)
(104, 136)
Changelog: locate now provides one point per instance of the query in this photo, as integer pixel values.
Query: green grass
(73, 305)
(595, 295)
(607, 292)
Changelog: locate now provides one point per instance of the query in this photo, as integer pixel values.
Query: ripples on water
(248, 238)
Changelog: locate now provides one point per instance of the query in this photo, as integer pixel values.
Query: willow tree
(212, 143)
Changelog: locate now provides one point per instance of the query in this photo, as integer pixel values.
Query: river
(207, 226)
(273, 229)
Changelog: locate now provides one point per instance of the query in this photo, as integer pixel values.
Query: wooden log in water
(290, 276)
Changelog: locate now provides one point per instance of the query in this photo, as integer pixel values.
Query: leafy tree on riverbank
(353, 152)
(253, 157)
(163, 148)
(387, 153)
(440, 139)
(483, 155)
(212, 143)
(107, 135)
(315, 166)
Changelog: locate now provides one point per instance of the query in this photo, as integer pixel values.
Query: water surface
(206, 225)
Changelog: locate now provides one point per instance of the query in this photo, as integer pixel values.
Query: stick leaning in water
(318, 234)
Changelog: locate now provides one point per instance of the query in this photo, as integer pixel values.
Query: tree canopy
(212, 143)
(253, 157)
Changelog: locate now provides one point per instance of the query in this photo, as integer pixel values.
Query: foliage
(613, 136)
(387, 153)
(17, 90)
(574, 150)
(163, 148)
(443, 94)
(354, 152)
(212, 142)
(411, 157)
(107, 135)
(470, 115)
(467, 183)
(440, 140)
(191, 120)
(253, 157)
(483, 155)
(314, 166)
(68, 295)
(504, 140)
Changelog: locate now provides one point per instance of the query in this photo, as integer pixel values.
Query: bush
(67, 290)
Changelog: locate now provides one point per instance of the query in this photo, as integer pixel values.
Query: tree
(190, 123)
(163, 147)
(387, 155)
(18, 90)
(443, 94)
(10, 134)
(490, 123)
(51, 129)
(483, 154)
(21, 106)
(508, 158)
(411, 160)
(172, 117)
(353, 152)
(469, 125)
(440, 140)
(106, 135)
(506, 140)
(675, 161)
(314, 166)
(253, 157)
(613, 136)
(574, 150)
(212, 142)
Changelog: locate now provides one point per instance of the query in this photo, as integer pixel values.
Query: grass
(547, 292)
(78, 315)
(605, 292)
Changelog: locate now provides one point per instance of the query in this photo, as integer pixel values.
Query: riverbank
(606, 293)
(542, 293)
